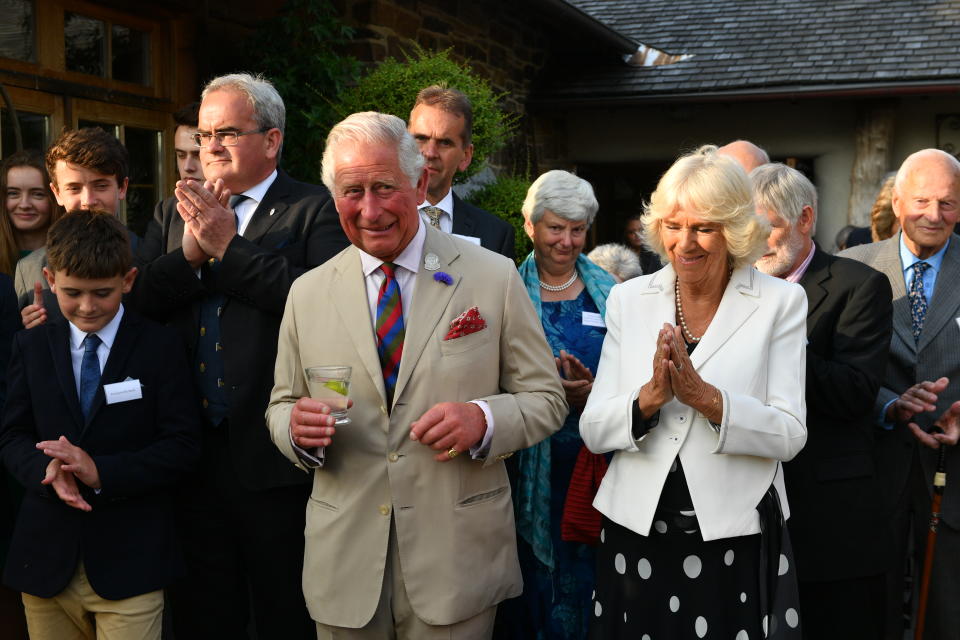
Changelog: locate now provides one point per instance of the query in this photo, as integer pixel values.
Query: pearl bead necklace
(683, 323)
(559, 287)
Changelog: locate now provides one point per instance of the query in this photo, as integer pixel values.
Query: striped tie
(389, 328)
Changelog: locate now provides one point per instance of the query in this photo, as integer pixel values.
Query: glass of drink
(331, 385)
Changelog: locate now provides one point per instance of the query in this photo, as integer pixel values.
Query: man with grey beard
(836, 523)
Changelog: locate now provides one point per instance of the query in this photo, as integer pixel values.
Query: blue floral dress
(558, 604)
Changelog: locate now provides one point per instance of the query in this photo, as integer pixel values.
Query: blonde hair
(717, 189)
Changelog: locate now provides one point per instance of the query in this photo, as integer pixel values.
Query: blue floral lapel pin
(445, 278)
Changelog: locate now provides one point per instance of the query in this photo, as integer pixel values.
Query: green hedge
(392, 87)
(504, 198)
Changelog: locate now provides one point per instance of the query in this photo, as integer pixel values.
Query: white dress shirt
(255, 194)
(107, 335)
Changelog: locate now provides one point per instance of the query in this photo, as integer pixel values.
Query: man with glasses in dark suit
(219, 269)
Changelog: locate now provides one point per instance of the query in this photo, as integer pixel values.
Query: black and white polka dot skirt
(671, 585)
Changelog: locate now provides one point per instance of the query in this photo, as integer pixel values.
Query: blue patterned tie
(89, 373)
(918, 302)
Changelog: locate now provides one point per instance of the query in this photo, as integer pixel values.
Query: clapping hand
(919, 398)
(65, 484)
(658, 390)
(206, 212)
(74, 460)
(948, 424)
(576, 379)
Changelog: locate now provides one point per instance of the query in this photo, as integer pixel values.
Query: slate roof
(769, 46)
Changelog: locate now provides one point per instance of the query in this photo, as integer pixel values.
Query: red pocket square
(470, 321)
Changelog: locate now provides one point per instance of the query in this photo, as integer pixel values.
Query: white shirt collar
(445, 204)
(409, 258)
(107, 334)
(259, 190)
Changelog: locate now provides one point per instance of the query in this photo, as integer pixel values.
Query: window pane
(16, 29)
(112, 129)
(84, 41)
(143, 193)
(33, 131)
(130, 50)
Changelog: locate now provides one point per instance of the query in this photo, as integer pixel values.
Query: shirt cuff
(311, 460)
(881, 420)
(480, 451)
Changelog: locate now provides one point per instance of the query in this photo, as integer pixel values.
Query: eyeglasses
(224, 138)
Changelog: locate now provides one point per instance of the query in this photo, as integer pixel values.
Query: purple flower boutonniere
(445, 278)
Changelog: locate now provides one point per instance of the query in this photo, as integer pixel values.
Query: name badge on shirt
(593, 319)
(122, 391)
(472, 239)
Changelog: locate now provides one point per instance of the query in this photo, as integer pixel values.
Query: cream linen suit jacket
(754, 352)
(454, 520)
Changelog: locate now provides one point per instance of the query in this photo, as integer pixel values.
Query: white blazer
(754, 351)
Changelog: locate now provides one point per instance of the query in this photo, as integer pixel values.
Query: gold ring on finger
(452, 453)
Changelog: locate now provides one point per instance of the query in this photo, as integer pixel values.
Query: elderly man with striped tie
(410, 530)
(918, 406)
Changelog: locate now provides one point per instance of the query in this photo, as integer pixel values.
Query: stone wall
(503, 42)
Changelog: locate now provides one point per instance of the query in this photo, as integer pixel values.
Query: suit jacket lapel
(946, 296)
(348, 290)
(430, 300)
(818, 273)
(738, 303)
(270, 209)
(59, 337)
(888, 263)
(462, 223)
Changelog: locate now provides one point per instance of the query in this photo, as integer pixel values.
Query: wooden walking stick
(939, 482)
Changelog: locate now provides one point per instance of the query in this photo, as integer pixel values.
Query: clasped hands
(675, 377)
(920, 398)
(68, 464)
(209, 224)
(445, 426)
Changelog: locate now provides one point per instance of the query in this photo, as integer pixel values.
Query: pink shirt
(795, 275)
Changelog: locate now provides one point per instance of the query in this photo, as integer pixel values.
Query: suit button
(203, 367)
(384, 510)
(393, 457)
(203, 331)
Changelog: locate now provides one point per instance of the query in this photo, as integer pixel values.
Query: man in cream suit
(410, 528)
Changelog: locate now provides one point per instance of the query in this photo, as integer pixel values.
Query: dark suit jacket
(141, 448)
(936, 355)
(295, 228)
(836, 519)
(495, 234)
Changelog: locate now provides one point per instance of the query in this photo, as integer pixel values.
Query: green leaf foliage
(304, 62)
(504, 198)
(392, 86)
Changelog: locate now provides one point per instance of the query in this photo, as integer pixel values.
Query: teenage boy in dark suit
(101, 421)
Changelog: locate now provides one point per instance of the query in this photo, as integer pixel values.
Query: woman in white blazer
(700, 395)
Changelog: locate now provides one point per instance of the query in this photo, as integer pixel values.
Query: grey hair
(616, 259)
(370, 127)
(268, 109)
(785, 191)
(562, 193)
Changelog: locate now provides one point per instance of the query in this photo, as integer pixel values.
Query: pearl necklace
(559, 287)
(683, 323)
